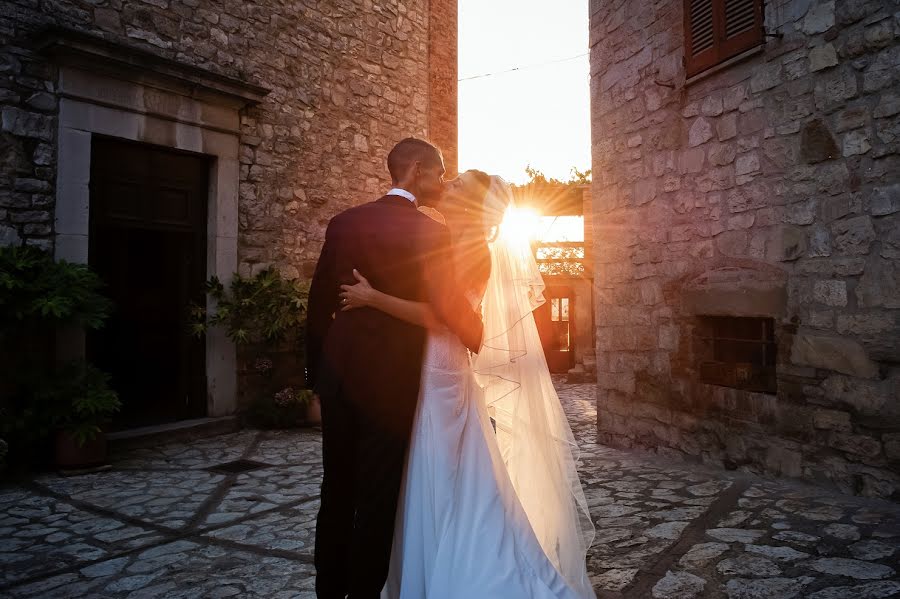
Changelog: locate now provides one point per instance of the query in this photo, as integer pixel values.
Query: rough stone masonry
(335, 84)
(347, 80)
(766, 188)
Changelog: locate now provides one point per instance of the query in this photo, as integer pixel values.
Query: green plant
(38, 297)
(36, 289)
(262, 308)
(283, 409)
(78, 400)
(264, 315)
(74, 397)
(576, 177)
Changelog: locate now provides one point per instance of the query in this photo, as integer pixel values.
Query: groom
(365, 365)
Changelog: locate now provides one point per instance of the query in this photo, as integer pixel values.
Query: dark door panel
(148, 243)
(555, 321)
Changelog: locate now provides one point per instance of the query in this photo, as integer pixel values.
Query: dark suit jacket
(370, 358)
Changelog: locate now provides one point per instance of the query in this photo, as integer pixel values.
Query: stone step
(183, 430)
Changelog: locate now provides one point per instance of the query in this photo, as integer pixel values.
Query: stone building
(166, 141)
(746, 168)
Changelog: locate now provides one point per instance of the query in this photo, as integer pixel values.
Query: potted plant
(286, 408)
(39, 298)
(265, 315)
(79, 403)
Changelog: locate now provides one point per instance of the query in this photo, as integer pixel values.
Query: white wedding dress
(463, 530)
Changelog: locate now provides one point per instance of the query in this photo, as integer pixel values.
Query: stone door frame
(130, 94)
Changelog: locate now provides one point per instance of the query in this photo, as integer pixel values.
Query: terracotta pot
(314, 411)
(70, 455)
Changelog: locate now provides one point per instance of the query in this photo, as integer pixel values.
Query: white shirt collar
(403, 194)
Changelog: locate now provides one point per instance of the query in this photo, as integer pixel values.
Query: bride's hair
(483, 179)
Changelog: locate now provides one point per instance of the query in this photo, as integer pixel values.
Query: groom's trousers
(363, 470)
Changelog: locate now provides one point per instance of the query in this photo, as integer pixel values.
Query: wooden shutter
(716, 30)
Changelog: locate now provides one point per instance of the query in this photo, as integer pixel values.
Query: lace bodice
(444, 351)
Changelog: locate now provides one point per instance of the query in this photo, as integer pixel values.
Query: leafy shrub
(284, 409)
(38, 297)
(263, 308)
(37, 290)
(265, 316)
(78, 399)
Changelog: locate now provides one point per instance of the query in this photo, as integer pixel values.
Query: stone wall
(769, 187)
(347, 80)
(444, 72)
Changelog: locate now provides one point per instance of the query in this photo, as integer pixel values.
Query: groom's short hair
(410, 150)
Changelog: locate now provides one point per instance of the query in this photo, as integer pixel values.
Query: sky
(538, 115)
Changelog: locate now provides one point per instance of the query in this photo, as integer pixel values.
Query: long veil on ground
(533, 433)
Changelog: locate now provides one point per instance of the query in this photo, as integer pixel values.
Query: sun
(520, 224)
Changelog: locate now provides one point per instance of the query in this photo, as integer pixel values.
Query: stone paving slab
(293, 529)
(167, 498)
(181, 569)
(265, 490)
(285, 448)
(160, 525)
(674, 530)
(40, 534)
(192, 455)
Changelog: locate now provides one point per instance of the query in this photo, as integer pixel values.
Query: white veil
(533, 433)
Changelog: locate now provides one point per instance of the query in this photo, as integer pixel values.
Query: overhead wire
(522, 68)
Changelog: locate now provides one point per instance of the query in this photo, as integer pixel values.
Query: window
(559, 315)
(716, 30)
(737, 352)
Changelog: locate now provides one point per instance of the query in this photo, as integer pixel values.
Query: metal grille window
(738, 353)
(716, 30)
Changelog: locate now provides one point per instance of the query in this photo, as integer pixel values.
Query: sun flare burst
(520, 224)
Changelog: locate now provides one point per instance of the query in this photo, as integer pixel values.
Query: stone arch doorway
(130, 95)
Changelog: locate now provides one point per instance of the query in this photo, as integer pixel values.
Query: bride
(491, 504)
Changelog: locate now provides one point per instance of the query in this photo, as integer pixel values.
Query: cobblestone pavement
(160, 524)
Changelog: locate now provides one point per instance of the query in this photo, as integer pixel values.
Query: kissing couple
(449, 465)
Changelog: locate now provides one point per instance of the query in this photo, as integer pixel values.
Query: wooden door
(555, 322)
(148, 243)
